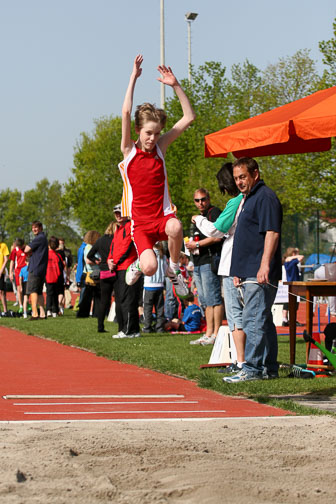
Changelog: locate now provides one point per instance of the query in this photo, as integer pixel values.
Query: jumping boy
(146, 196)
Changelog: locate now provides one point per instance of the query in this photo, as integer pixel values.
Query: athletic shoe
(176, 278)
(133, 273)
(198, 341)
(270, 376)
(209, 340)
(20, 309)
(54, 315)
(241, 377)
(121, 335)
(49, 313)
(16, 303)
(233, 368)
(25, 315)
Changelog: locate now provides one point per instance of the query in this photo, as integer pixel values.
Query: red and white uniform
(146, 197)
(19, 258)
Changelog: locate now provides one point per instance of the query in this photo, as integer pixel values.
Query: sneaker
(49, 313)
(270, 375)
(16, 303)
(241, 377)
(209, 340)
(133, 273)
(25, 315)
(54, 315)
(176, 278)
(121, 335)
(233, 368)
(285, 323)
(198, 341)
(20, 309)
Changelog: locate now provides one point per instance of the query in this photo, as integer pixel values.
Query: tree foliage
(95, 186)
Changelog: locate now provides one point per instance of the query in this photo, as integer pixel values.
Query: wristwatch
(197, 245)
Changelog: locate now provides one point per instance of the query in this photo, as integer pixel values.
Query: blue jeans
(233, 304)
(261, 350)
(207, 285)
(170, 304)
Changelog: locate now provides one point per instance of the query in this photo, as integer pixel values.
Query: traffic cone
(315, 358)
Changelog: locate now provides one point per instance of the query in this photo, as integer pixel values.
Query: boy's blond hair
(148, 112)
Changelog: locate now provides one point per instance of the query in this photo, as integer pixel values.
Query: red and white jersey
(145, 186)
(19, 257)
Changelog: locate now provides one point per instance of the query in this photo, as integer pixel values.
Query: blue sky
(65, 63)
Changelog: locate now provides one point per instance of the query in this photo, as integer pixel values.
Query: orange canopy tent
(305, 125)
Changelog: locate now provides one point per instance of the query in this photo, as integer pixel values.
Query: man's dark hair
(226, 181)
(250, 163)
(37, 223)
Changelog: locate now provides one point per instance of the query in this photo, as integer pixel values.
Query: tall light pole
(190, 16)
(162, 50)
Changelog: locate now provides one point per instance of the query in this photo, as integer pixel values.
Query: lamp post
(189, 17)
(162, 50)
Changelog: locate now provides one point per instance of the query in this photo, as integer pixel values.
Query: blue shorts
(207, 285)
(233, 304)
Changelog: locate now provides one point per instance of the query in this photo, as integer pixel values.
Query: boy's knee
(174, 228)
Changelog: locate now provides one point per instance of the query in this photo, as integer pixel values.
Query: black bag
(215, 260)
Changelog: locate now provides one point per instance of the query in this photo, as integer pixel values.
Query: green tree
(328, 50)
(95, 185)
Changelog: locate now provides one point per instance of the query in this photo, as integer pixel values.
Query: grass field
(172, 354)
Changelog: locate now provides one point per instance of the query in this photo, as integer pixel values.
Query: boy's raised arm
(126, 141)
(168, 78)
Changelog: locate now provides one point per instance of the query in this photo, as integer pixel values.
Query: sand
(265, 460)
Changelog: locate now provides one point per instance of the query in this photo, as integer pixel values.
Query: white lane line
(95, 396)
(102, 402)
(119, 412)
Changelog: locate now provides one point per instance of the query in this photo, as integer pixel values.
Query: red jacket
(53, 268)
(122, 249)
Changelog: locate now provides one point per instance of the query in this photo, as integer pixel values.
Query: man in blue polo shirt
(256, 266)
(38, 249)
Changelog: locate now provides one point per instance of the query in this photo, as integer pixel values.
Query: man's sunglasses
(197, 200)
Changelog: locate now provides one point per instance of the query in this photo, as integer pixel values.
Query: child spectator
(4, 255)
(191, 320)
(17, 261)
(146, 198)
(153, 293)
(54, 277)
(23, 279)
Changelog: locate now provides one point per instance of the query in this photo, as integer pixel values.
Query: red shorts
(146, 234)
(17, 276)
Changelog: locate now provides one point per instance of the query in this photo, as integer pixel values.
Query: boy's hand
(137, 70)
(167, 76)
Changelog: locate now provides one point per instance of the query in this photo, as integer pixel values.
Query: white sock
(240, 364)
(174, 266)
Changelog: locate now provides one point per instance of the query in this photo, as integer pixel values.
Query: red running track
(43, 380)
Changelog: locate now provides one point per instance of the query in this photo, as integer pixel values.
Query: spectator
(207, 281)
(65, 300)
(153, 293)
(23, 280)
(4, 256)
(98, 255)
(88, 305)
(191, 320)
(17, 261)
(54, 277)
(225, 226)
(256, 266)
(38, 250)
(121, 256)
(290, 273)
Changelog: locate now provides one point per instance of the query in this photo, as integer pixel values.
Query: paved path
(44, 380)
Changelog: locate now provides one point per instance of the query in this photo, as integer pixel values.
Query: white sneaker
(121, 334)
(25, 315)
(54, 315)
(176, 278)
(49, 313)
(209, 340)
(16, 303)
(133, 273)
(198, 341)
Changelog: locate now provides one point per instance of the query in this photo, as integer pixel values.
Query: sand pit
(272, 460)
